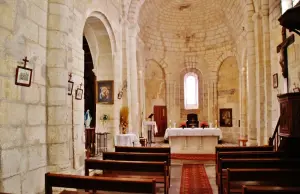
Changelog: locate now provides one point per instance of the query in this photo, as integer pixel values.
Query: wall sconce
(120, 94)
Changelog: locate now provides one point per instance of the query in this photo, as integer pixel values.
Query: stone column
(267, 71)
(58, 115)
(132, 76)
(251, 82)
(243, 123)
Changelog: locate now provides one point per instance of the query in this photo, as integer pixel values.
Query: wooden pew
(139, 156)
(136, 156)
(131, 169)
(270, 190)
(245, 154)
(254, 163)
(143, 149)
(238, 148)
(98, 183)
(236, 178)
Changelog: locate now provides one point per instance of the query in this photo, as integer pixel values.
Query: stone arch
(200, 111)
(101, 39)
(155, 84)
(228, 96)
(222, 58)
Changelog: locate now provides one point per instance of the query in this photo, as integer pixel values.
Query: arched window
(191, 91)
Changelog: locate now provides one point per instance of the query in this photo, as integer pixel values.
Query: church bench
(236, 178)
(238, 148)
(245, 154)
(270, 190)
(130, 169)
(138, 156)
(143, 149)
(97, 183)
(253, 163)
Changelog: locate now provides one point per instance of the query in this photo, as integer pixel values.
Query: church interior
(149, 96)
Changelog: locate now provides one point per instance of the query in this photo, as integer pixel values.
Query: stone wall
(23, 150)
(228, 97)
(42, 126)
(155, 86)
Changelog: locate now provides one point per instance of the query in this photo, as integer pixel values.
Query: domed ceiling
(185, 25)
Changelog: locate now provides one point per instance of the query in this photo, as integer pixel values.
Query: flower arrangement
(183, 124)
(203, 124)
(124, 119)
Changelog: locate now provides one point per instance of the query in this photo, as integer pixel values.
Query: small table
(243, 140)
(126, 139)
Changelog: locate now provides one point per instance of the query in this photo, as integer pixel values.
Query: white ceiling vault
(181, 25)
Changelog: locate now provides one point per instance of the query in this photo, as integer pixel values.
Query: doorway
(89, 83)
(160, 117)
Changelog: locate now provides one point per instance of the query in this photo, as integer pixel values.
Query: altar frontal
(193, 140)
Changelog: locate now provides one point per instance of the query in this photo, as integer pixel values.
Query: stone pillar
(251, 82)
(132, 77)
(243, 123)
(267, 71)
(58, 115)
(260, 81)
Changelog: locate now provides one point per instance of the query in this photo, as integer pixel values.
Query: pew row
(138, 156)
(98, 183)
(130, 169)
(270, 190)
(237, 149)
(143, 149)
(245, 154)
(253, 163)
(236, 178)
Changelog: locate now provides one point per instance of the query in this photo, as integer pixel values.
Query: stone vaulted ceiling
(189, 25)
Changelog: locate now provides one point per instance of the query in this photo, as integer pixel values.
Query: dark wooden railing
(275, 139)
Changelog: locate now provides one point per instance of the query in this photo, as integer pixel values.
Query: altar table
(193, 140)
(126, 139)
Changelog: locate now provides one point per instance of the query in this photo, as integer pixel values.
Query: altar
(193, 140)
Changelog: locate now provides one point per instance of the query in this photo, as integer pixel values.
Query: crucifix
(80, 86)
(25, 61)
(282, 49)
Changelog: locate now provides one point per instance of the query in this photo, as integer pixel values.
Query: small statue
(87, 119)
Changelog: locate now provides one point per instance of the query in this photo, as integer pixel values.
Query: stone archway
(100, 38)
(228, 97)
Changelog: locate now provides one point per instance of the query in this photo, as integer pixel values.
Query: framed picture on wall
(226, 117)
(70, 87)
(275, 80)
(78, 94)
(23, 76)
(105, 92)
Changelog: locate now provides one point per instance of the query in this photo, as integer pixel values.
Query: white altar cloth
(126, 139)
(193, 132)
(193, 140)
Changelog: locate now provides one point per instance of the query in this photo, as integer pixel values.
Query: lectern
(151, 128)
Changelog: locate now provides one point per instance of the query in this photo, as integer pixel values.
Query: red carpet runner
(194, 180)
